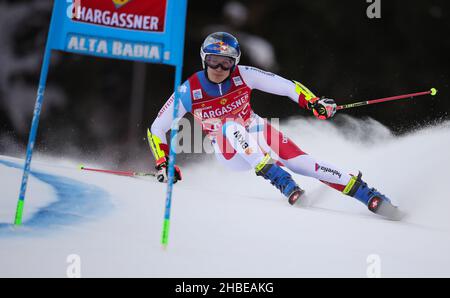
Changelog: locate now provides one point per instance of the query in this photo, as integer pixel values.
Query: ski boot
(372, 198)
(281, 179)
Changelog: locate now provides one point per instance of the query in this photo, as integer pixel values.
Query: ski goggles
(215, 61)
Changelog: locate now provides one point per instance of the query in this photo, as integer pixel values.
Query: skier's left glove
(323, 108)
(162, 166)
(160, 151)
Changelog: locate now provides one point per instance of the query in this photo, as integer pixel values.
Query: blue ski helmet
(222, 44)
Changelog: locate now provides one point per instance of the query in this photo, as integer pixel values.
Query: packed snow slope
(227, 224)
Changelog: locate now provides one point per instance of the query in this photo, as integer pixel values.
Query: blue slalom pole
(172, 159)
(32, 136)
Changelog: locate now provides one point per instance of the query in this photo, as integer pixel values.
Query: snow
(43, 194)
(227, 224)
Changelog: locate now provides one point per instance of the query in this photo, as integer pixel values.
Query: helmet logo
(221, 46)
(120, 3)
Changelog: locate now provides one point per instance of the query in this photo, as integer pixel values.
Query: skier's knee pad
(238, 137)
(229, 127)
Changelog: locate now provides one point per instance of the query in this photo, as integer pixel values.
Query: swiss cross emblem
(375, 203)
(197, 93)
(238, 81)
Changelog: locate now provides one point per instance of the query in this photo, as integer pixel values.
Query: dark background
(92, 106)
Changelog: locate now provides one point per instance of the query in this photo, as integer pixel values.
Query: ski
(385, 209)
(295, 195)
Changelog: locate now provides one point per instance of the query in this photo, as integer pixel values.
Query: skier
(219, 98)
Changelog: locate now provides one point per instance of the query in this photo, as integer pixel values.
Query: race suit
(240, 137)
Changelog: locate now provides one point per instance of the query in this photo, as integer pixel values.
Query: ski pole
(120, 173)
(431, 92)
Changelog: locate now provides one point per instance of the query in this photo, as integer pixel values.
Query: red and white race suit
(240, 137)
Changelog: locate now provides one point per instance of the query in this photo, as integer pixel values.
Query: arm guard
(160, 150)
(304, 95)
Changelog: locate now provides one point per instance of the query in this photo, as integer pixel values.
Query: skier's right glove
(323, 108)
(162, 166)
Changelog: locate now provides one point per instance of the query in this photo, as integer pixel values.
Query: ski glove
(162, 166)
(323, 108)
